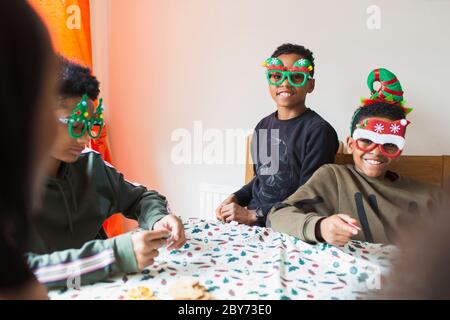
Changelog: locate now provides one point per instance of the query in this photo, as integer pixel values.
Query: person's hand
(146, 245)
(335, 229)
(234, 212)
(173, 224)
(230, 199)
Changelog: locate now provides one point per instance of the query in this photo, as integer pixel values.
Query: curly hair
(76, 80)
(379, 109)
(289, 48)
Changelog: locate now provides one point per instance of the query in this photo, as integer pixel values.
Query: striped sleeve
(94, 261)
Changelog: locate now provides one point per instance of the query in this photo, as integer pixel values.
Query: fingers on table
(179, 239)
(156, 234)
(343, 228)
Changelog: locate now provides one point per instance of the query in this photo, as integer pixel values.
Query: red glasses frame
(373, 145)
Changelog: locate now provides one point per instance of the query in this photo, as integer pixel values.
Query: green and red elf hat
(390, 90)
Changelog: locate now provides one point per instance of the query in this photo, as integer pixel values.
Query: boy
(83, 191)
(300, 141)
(338, 199)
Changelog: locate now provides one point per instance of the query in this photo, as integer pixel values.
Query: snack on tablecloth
(141, 293)
(189, 289)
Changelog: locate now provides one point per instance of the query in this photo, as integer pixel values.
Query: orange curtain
(68, 22)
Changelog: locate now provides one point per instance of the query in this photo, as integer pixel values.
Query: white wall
(172, 62)
(100, 26)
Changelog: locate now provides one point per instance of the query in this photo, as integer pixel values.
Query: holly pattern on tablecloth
(241, 262)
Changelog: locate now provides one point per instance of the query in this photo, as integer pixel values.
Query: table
(235, 261)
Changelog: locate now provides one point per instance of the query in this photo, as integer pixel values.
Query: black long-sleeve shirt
(303, 144)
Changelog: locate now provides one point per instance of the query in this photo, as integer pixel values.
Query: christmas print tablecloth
(236, 261)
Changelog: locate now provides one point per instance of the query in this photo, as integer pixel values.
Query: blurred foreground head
(27, 96)
(422, 270)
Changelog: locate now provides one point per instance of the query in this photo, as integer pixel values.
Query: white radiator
(211, 195)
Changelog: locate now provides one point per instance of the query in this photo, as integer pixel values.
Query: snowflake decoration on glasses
(379, 128)
(395, 128)
(274, 61)
(302, 62)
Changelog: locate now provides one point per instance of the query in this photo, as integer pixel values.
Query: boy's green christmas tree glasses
(78, 122)
(297, 75)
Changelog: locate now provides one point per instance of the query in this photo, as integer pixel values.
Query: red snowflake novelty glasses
(388, 136)
(389, 150)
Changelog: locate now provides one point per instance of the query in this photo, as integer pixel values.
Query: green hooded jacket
(63, 247)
